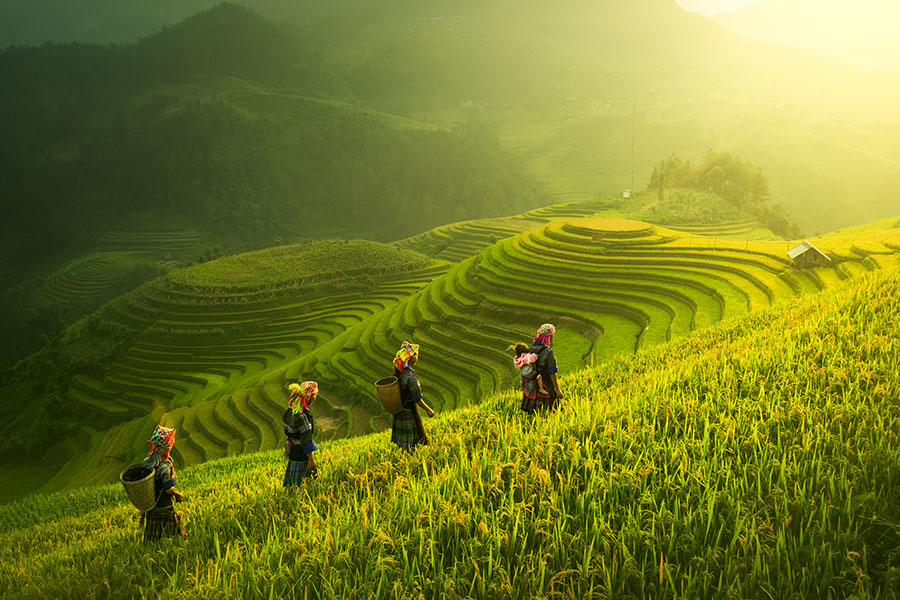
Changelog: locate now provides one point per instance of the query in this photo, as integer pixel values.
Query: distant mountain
(537, 53)
(573, 85)
(93, 21)
(862, 33)
(215, 124)
(570, 88)
(216, 119)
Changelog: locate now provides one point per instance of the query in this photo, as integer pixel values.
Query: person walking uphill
(299, 428)
(546, 365)
(162, 519)
(407, 430)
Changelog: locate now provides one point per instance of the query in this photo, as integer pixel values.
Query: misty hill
(469, 56)
(185, 122)
(212, 124)
(244, 131)
(708, 467)
(862, 33)
(560, 83)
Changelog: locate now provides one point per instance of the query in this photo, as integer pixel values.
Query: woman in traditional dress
(407, 430)
(299, 427)
(546, 365)
(533, 390)
(162, 520)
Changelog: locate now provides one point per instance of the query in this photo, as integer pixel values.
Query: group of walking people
(540, 391)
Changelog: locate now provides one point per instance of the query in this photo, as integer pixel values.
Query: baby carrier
(527, 364)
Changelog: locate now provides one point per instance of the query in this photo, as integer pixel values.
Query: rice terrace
(474, 300)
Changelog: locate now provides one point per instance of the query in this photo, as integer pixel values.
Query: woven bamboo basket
(389, 393)
(138, 482)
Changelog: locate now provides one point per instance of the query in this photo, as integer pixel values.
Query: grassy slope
(196, 337)
(755, 459)
(209, 347)
(613, 295)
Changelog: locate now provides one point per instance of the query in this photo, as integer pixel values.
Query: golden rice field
(756, 458)
(215, 345)
(613, 287)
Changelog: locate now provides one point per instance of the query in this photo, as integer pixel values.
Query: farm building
(805, 256)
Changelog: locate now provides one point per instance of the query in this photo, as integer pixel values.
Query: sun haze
(714, 7)
(859, 33)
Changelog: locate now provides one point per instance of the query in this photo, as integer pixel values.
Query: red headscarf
(161, 441)
(302, 391)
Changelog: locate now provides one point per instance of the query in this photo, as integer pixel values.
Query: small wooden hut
(807, 256)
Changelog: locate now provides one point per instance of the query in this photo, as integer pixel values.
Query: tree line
(739, 182)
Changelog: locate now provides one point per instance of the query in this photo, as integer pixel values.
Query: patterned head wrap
(545, 334)
(302, 391)
(161, 441)
(403, 355)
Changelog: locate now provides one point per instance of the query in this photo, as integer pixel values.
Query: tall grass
(758, 459)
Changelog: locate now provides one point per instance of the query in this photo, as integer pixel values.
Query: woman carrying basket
(407, 430)
(546, 368)
(299, 427)
(162, 520)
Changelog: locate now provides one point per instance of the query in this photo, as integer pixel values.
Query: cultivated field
(211, 348)
(206, 348)
(756, 458)
(613, 286)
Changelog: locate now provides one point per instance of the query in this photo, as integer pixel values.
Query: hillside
(209, 349)
(707, 467)
(212, 124)
(560, 86)
(572, 88)
(233, 141)
(612, 286)
(210, 336)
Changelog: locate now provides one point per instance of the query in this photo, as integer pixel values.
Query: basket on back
(389, 393)
(138, 482)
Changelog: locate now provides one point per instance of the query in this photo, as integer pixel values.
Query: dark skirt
(539, 402)
(296, 472)
(530, 405)
(405, 431)
(161, 522)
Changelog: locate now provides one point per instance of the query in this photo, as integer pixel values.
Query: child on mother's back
(533, 390)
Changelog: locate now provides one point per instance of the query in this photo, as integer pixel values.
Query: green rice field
(213, 347)
(758, 457)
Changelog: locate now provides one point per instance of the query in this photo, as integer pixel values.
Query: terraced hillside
(736, 230)
(203, 350)
(177, 246)
(209, 349)
(459, 241)
(706, 468)
(122, 259)
(208, 358)
(612, 286)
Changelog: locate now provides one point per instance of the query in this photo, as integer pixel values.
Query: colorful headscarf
(403, 355)
(545, 334)
(302, 391)
(161, 441)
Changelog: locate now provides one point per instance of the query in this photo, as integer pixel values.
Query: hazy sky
(862, 33)
(712, 7)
